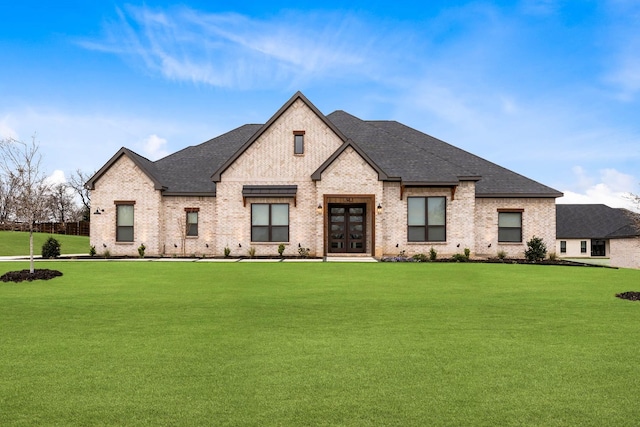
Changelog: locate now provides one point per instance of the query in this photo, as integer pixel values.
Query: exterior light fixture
(98, 211)
(319, 208)
(379, 208)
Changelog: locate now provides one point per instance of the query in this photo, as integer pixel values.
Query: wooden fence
(80, 228)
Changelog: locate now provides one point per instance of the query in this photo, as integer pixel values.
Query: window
(269, 222)
(583, 246)
(124, 222)
(426, 218)
(509, 226)
(192, 222)
(298, 142)
(563, 246)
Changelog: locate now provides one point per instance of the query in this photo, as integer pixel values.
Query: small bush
(459, 258)
(502, 254)
(92, 250)
(553, 256)
(467, 253)
(141, 250)
(303, 252)
(51, 248)
(420, 258)
(433, 254)
(280, 249)
(251, 251)
(227, 252)
(106, 253)
(536, 250)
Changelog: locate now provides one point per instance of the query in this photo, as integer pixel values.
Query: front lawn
(16, 243)
(162, 343)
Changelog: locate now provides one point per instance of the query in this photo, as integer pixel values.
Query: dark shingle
(593, 222)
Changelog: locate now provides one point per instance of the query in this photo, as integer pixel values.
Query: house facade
(597, 231)
(334, 184)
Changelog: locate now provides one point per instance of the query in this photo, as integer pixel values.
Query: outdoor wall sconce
(489, 245)
(319, 208)
(98, 211)
(379, 208)
(104, 245)
(175, 246)
(239, 245)
(206, 244)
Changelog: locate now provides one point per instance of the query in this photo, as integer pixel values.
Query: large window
(509, 226)
(269, 222)
(124, 222)
(426, 218)
(192, 222)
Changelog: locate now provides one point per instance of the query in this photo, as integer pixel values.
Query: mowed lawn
(172, 343)
(16, 243)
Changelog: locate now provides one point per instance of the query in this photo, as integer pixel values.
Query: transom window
(192, 222)
(124, 222)
(270, 222)
(509, 226)
(426, 217)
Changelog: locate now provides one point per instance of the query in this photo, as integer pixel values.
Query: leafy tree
(20, 162)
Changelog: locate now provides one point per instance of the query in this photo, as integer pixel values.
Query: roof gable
(593, 222)
(144, 164)
(297, 96)
(317, 175)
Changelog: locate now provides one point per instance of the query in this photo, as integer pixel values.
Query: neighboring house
(598, 231)
(335, 184)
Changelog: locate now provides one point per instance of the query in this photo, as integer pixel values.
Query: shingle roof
(396, 151)
(593, 222)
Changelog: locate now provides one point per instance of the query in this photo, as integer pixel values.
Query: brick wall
(173, 239)
(538, 219)
(125, 181)
(625, 253)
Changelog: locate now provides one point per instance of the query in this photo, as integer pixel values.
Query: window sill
(269, 243)
(511, 243)
(124, 243)
(427, 243)
(191, 237)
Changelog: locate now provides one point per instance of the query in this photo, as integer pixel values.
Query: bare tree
(61, 204)
(635, 216)
(77, 181)
(21, 162)
(7, 196)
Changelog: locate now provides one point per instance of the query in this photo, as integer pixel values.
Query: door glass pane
(337, 219)
(337, 227)
(416, 207)
(356, 211)
(125, 215)
(436, 210)
(259, 215)
(335, 211)
(355, 227)
(337, 245)
(280, 214)
(355, 219)
(509, 219)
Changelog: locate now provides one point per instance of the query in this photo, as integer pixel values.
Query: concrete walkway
(82, 257)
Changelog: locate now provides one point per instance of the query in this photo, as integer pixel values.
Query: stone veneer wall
(125, 181)
(538, 219)
(625, 253)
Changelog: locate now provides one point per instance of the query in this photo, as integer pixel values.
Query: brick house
(598, 232)
(335, 184)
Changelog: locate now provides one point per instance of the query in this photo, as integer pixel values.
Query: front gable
(269, 154)
(136, 162)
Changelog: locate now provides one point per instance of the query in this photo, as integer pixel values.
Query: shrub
(420, 258)
(467, 253)
(92, 250)
(553, 256)
(281, 249)
(502, 254)
(51, 248)
(251, 251)
(141, 250)
(303, 252)
(227, 252)
(432, 254)
(106, 253)
(460, 258)
(536, 250)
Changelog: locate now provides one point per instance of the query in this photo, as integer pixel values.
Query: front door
(347, 226)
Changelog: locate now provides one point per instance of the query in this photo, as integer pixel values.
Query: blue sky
(549, 89)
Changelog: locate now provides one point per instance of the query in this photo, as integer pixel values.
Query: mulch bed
(26, 275)
(630, 295)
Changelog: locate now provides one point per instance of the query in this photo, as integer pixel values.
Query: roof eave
(519, 195)
(133, 156)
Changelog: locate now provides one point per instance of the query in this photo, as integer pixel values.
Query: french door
(347, 228)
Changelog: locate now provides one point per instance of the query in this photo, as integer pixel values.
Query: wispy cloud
(154, 147)
(235, 51)
(608, 186)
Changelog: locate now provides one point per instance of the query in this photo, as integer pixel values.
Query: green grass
(152, 343)
(14, 243)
